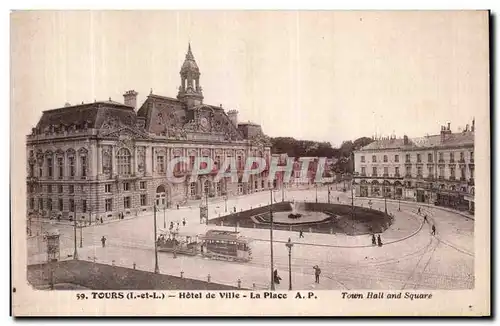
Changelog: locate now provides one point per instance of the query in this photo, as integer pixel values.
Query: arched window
(123, 160)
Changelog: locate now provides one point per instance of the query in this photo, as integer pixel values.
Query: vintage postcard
(250, 163)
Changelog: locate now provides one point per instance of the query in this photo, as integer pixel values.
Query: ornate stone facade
(103, 159)
(437, 169)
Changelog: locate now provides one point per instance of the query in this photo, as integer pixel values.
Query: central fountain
(294, 213)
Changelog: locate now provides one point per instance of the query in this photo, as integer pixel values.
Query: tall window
(60, 167)
(363, 171)
(71, 166)
(385, 158)
(49, 204)
(126, 186)
(240, 162)
(60, 204)
(452, 157)
(396, 158)
(143, 200)
(49, 167)
(363, 159)
(461, 156)
(60, 189)
(407, 158)
(192, 188)
(83, 160)
(396, 171)
(177, 167)
(217, 162)
(429, 157)
(462, 172)
(441, 157)
(123, 160)
(142, 185)
(452, 171)
(84, 206)
(40, 203)
(386, 171)
(419, 158)
(441, 171)
(429, 171)
(374, 171)
(32, 170)
(374, 159)
(32, 203)
(107, 188)
(419, 171)
(108, 204)
(471, 172)
(126, 202)
(408, 171)
(191, 162)
(71, 205)
(472, 156)
(49, 189)
(71, 189)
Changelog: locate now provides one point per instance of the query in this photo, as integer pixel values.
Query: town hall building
(104, 159)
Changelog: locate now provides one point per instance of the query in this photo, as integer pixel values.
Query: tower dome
(190, 90)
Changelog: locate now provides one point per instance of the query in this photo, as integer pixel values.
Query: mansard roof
(430, 141)
(93, 115)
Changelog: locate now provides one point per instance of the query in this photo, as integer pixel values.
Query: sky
(315, 75)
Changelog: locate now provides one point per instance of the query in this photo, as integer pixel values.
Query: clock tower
(190, 91)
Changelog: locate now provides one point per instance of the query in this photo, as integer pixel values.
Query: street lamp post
(157, 269)
(282, 191)
(271, 240)
(289, 245)
(206, 205)
(316, 193)
(352, 199)
(385, 197)
(75, 253)
(225, 203)
(81, 234)
(164, 220)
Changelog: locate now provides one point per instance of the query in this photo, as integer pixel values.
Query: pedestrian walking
(338, 199)
(379, 241)
(374, 240)
(317, 273)
(234, 208)
(425, 218)
(301, 234)
(276, 277)
(433, 229)
(103, 241)
(101, 220)
(177, 206)
(419, 211)
(184, 222)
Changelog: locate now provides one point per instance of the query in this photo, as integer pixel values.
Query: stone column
(93, 163)
(134, 162)
(113, 160)
(99, 159)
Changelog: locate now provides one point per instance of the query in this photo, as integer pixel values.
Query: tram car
(226, 245)
(184, 244)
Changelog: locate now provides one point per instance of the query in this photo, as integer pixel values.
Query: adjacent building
(437, 169)
(107, 159)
